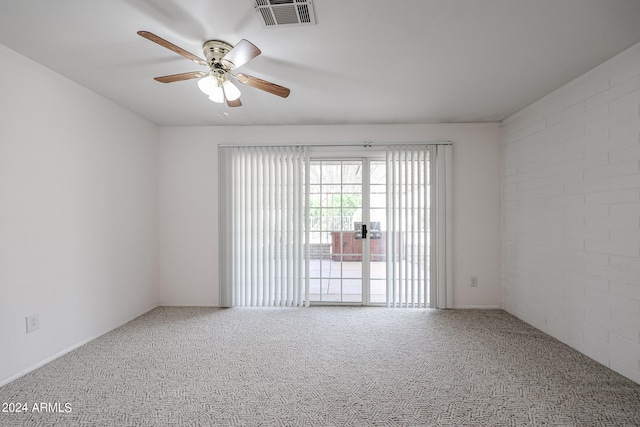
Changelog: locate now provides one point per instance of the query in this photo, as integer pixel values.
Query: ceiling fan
(222, 59)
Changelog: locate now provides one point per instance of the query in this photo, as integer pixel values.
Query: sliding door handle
(364, 231)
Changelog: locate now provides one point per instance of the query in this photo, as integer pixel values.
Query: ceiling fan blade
(263, 85)
(180, 77)
(231, 104)
(242, 53)
(235, 103)
(162, 42)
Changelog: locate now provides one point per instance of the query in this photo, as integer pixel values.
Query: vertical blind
(442, 226)
(263, 214)
(408, 243)
(419, 226)
(262, 199)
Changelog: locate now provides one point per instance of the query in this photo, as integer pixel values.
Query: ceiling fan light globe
(217, 95)
(208, 85)
(231, 91)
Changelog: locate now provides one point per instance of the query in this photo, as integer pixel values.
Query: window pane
(331, 219)
(378, 198)
(352, 172)
(378, 291)
(377, 172)
(314, 219)
(352, 290)
(378, 216)
(315, 238)
(351, 200)
(352, 266)
(336, 242)
(314, 170)
(331, 172)
(331, 190)
(352, 188)
(314, 289)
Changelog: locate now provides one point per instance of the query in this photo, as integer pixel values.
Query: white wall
(189, 210)
(78, 214)
(571, 214)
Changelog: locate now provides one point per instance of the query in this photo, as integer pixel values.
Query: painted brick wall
(571, 214)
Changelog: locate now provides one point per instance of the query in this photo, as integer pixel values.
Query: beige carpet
(324, 366)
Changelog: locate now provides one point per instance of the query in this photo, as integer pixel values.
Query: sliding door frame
(441, 271)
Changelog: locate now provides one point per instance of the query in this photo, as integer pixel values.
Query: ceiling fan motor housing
(214, 51)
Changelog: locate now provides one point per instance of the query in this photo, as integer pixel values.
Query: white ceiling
(366, 61)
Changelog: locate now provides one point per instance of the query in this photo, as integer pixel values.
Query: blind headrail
(364, 144)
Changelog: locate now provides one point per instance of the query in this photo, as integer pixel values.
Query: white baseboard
(477, 307)
(190, 305)
(40, 364)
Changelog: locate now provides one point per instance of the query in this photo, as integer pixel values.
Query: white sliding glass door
(369, 231)
(335, 239)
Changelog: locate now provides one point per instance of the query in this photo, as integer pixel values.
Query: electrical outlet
(33, 323)
(474, 281)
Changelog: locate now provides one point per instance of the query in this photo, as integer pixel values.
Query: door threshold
(343, 304)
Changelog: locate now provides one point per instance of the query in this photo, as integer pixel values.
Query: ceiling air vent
(275, 13)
